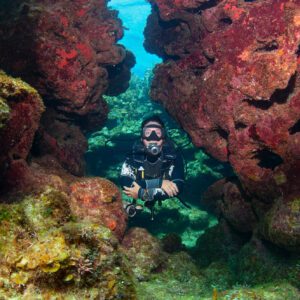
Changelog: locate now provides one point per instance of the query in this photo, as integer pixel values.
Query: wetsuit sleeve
(127, 176)
(175, 173)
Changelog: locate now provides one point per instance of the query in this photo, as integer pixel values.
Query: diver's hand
(132, 191)
(170, 188)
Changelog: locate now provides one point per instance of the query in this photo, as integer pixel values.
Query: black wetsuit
(149, 171)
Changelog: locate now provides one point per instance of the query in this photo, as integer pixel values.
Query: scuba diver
(154, 170)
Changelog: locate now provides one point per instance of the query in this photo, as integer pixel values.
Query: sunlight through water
(134, 15)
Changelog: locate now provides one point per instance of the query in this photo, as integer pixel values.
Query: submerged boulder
(281, 224)
(218, 243)
(99, 200)
(225, 198)
(262, 262)
(144, 253)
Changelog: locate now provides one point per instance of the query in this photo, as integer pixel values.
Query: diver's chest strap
(148, 170)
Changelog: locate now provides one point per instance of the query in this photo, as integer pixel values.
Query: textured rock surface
(63, 50)
(224, 198)
(281, 223)
(21, 111)
(46, 255)
(143, 251)
(261, 262)
(68, 51)
(218, 243)
(232, 81)
(62, 139)
(99, 200)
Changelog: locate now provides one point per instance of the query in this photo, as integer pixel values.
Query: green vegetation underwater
(77, 79)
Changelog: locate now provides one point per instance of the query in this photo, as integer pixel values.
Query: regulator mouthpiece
(153, 149)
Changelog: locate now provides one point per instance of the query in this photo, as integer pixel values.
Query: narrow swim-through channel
(109, 146)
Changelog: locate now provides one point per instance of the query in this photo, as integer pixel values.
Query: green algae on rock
(4, 112)
(14, 87)
(143, 251)
(18, 97)
(49, 209)
(44, 254)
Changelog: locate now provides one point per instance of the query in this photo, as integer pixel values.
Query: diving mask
(152, 133)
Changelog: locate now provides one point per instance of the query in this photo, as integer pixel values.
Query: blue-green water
(134, 15)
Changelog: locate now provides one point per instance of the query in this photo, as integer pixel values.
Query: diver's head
(153, 135)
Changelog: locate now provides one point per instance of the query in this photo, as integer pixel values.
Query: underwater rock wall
(21, 108)
(63, 50)
(68, 51)
(231, 78)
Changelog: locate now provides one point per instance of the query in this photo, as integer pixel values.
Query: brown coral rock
(282, 223)
(143, 251)
(62, 139)
(26, 107)
(99, 200)
(225, 198)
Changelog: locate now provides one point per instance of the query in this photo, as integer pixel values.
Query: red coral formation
(64, 50)
(99, 200)
(118, 73)
(232, 81)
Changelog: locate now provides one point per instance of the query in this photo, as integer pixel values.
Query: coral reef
(65, 51)
(231, 78)
(99, 200)
(21, 109)
(45, 253)
(68, 52)
(63, 236)
(51, 248)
